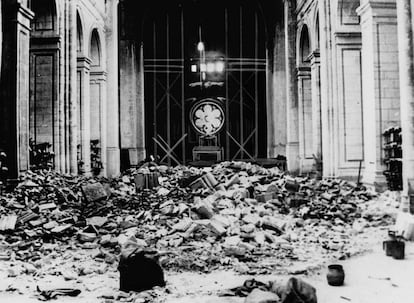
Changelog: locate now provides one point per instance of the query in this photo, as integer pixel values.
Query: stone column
(277, 142)
(66, 45)
(132, 115)
(73, 123)
(292, 146)
(380, 76)
(305, 118)
(112, 106)
(270, 98)
(85, 112)
(14, 88)
(316, 104)
(60, 164)
(406, 56)
(327, 85)
(141, 151)
(22, 89)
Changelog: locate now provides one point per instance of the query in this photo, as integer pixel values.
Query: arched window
(95, 50)
(304, 45)
(317, 33)
(79, 35)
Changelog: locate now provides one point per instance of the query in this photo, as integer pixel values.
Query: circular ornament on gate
(207, 117)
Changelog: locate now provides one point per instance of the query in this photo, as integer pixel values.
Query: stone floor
(370, 278)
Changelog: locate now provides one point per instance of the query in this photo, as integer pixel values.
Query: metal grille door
(170, 48)
(164, 86)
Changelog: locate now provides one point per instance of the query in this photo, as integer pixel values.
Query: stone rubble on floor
(232, 215)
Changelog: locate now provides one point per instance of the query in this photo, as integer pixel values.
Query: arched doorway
(43, 102)
(97, 102)
(83, 100)
(316, 97)
(305, 101)
(229, 67)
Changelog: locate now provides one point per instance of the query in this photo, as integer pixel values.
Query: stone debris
(232, 215)
(8, 222)
(94, 192)
(144, 180)
(260, 296)
(46, 295)
(292, 290)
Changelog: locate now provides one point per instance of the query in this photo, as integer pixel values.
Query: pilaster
(316, 104)
(98, 113)
(292, 145)
(24, 16)
(406, 57)
(277, 106)
(380, 72)
(73, 123)
(349, 137)
(112, 105)
(327, 87)
(84, 103)
(131, 109)
(305, 118)
(14, 89)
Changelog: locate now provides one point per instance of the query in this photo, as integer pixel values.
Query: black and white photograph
(206, 151)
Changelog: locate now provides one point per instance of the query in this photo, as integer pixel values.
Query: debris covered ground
(233, 216)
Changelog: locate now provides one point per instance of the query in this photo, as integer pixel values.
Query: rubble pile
(234, 214)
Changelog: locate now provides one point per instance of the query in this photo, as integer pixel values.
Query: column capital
(303, 71)
(84, 62)
(314, 57)
(98, 76)
(23, 16)
(348, 38)
(25, 11)
(377, 8)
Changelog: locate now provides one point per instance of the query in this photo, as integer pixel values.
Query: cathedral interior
(318, 87)
(308, 81)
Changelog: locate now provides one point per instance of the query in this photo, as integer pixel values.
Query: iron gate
(170, 41)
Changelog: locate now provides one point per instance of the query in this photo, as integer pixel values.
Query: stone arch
(95, 50)
(83, 107)
(304, 47)
(347, 12)
(304, 78)
(97, 91)
(316, 32)
(80, 45)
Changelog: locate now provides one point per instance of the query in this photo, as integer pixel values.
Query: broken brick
(94, 192)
